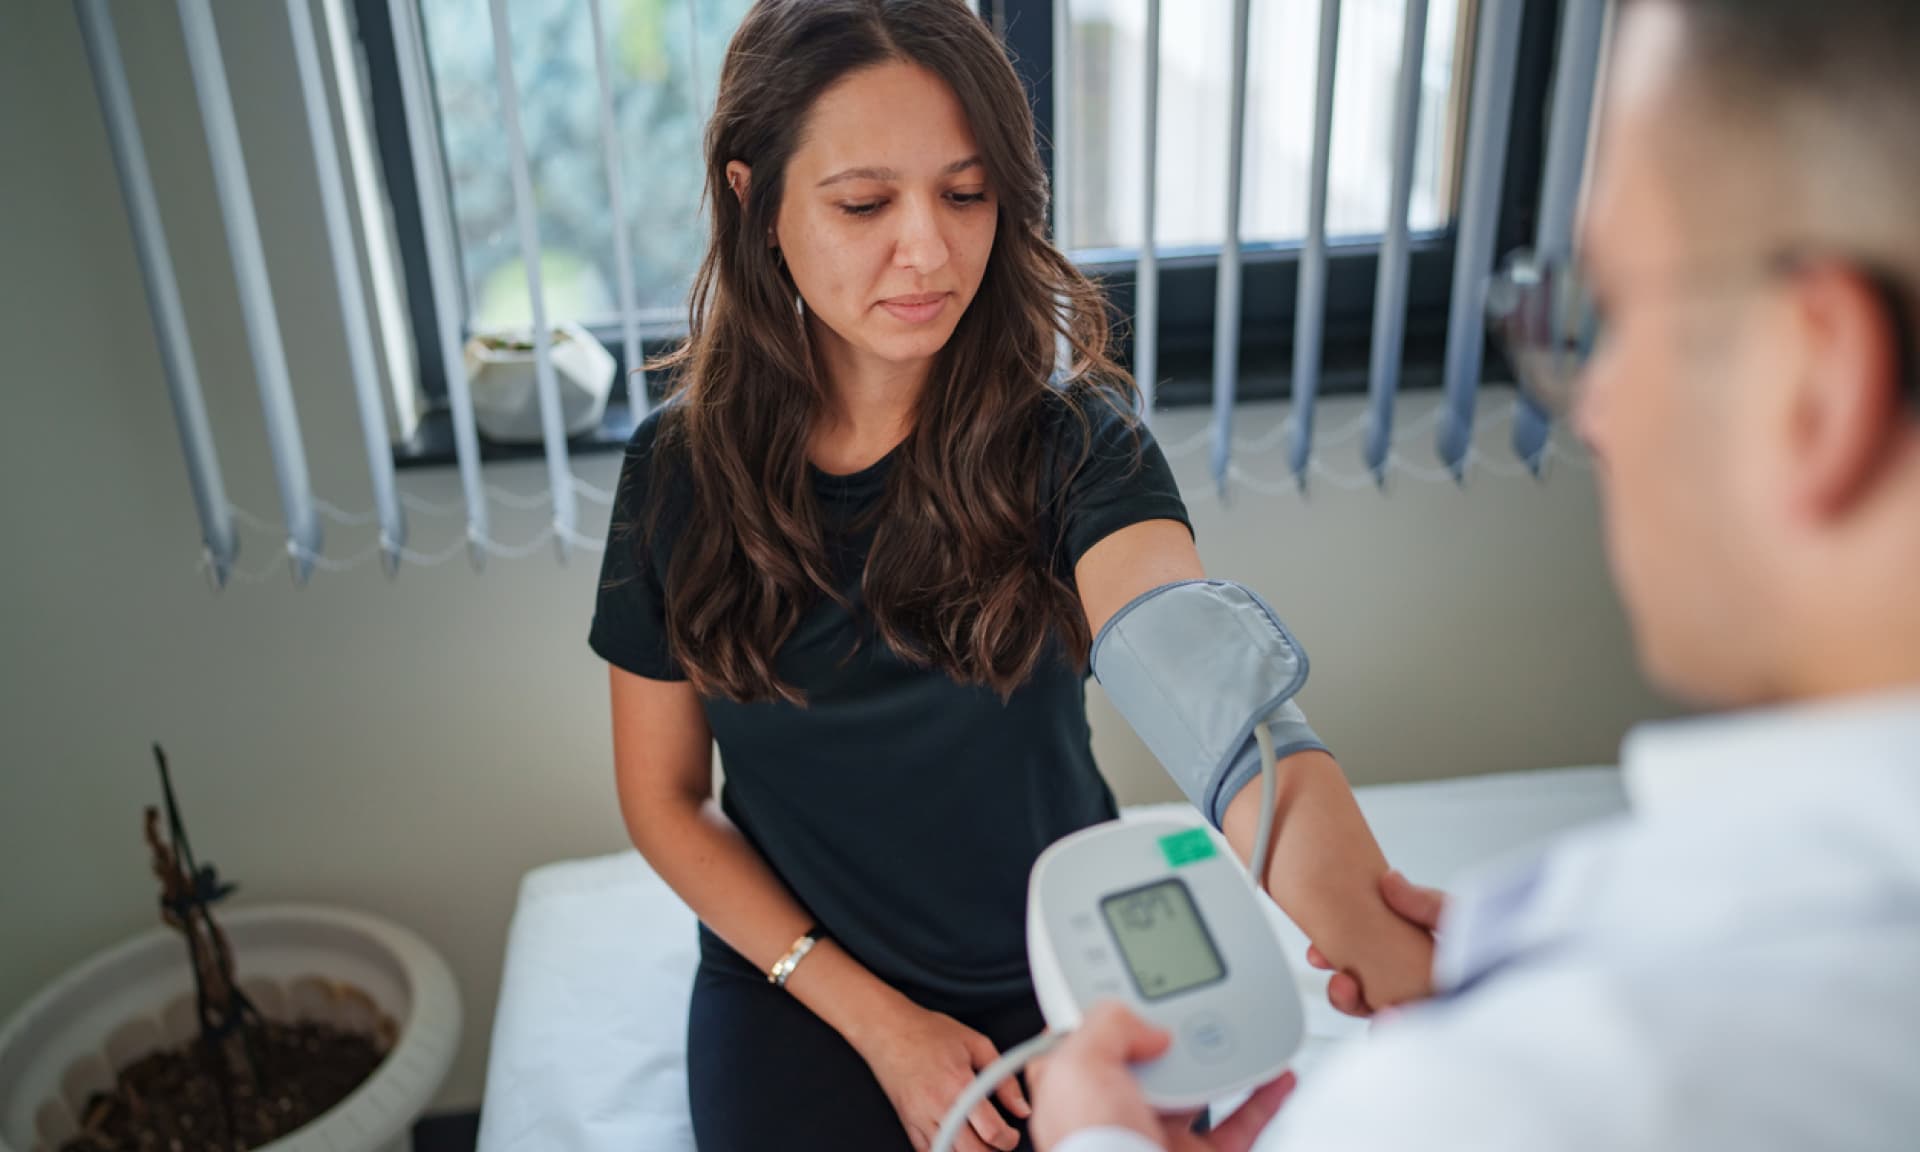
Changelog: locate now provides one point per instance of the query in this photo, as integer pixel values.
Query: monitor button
(1207, 1037)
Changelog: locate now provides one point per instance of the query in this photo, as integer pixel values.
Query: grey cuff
(1291, 733)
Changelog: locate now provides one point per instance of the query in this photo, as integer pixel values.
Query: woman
(864, 549)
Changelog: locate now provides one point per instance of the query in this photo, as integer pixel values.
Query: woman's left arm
(1326, 868)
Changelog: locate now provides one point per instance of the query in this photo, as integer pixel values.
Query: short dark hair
(1839, 51)
(1822, 69)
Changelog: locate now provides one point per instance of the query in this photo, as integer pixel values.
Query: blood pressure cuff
(1195, 667)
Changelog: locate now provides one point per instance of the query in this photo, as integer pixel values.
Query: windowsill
(432, 443)
(1121, 260)
(1262, 378)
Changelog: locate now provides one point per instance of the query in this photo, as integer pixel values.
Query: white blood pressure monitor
(1159, 916)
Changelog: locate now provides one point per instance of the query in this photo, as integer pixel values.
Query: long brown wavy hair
(958, 576)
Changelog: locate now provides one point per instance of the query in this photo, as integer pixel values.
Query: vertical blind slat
(1583, 24)
(1146, 324)
(1390, 289)
(346, 275)
(1310, 311)
(1226, 327)
(617, 204)
(552, 426)
(383, 271)
(163, 290)
(1495, 59)
(443, 265)
(693, 58)
(256, 294)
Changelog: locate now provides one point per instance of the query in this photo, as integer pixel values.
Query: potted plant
(283, 1027)
(503, 380)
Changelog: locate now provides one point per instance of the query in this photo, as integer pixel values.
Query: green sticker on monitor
(1184, 848)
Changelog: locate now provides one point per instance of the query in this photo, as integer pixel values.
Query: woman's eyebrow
(883, 174)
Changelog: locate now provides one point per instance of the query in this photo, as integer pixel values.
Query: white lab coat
(1736, 966)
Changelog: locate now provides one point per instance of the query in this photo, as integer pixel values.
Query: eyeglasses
(1546, 321)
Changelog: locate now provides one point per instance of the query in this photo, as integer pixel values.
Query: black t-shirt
(903, 809)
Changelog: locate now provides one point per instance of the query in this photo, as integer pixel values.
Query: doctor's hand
(924, 1060)
(1419, 906)
(1087, 1083)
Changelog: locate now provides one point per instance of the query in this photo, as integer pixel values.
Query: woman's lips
(917, 309)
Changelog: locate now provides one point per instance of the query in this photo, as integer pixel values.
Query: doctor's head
(1752, 246)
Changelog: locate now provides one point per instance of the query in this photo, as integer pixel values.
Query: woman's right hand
(924, 1060)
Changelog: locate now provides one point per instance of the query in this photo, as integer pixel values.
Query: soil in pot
(170, 1101)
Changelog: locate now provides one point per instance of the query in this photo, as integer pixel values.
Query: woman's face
(887, 218)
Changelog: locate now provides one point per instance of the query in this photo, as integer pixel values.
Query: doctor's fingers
(1421, 906)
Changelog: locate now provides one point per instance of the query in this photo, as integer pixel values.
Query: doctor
(1738, 965)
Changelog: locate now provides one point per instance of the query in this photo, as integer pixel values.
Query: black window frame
(1270, 271)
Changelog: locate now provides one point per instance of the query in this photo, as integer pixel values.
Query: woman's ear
(740, 178)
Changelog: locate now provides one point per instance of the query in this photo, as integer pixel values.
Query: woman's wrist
(853, 1001)
(1325, 872)
(783, 968)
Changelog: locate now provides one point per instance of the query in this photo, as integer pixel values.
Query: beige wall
(413, 746)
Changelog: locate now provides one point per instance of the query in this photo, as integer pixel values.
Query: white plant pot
(505, 386)
(291, 960)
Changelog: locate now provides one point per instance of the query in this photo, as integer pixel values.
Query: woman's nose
(920, 245)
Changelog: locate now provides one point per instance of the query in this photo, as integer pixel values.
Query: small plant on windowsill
(503, 378)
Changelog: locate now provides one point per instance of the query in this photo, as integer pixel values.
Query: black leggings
(764, 1072)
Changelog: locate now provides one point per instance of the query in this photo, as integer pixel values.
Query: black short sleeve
(629, 615)
(830, 790)
(1124, 479)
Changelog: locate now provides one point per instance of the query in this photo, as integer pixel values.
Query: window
(665, 56)
(1107, 113)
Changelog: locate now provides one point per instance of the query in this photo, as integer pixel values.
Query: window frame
(1270, 270)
